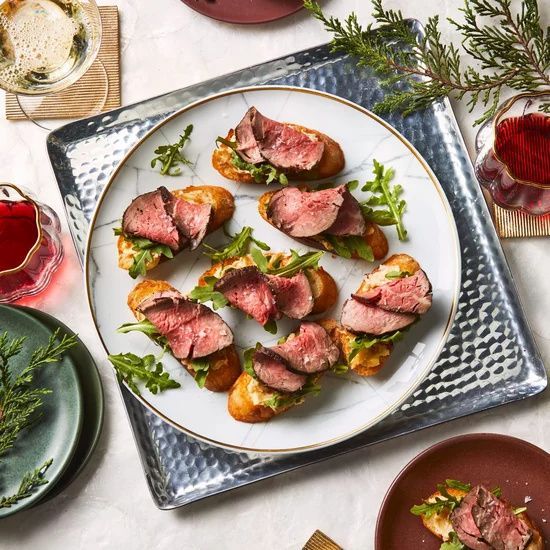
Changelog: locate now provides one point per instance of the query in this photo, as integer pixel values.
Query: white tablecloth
(165, 46)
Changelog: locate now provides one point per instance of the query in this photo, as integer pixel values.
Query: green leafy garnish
(259, 259)
(444, 502)
(271, 327)
(262, 173)
(453, 543)
(397, 274)
(348, 246)
(144, 326)
(340, 368)
(520, 510)
(206, 293)
(366, 342)
(248, 364)
(298, 262)
(352, 185)
(497, 491)
(201, 367)
(30, 482)
(170, 156)
(382, 195)
(454, 484)
(284, 400)
(131, 368)
(237, 247)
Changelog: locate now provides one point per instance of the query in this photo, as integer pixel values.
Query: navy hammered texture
(490, 357)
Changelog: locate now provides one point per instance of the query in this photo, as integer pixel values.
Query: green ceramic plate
(55, 435)
(92, 394)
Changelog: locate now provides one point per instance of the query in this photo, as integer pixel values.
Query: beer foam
(40, 36)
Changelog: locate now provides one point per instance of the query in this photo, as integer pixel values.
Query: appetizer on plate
(195, 335)
(162, 223)
(477, 517)
(268, 285)
(261, 150)
(278, 378)
(389, 299)
(330, 219)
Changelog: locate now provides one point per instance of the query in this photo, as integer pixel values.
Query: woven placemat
(91, 93)
(513, 223)
(319, 541)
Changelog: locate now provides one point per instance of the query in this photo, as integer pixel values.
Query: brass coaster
(513, 223)
(319, 541)
(100, 86)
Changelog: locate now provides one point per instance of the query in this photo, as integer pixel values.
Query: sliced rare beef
(192, 330)
(271, 369)
(483, 521)
(247, 289)
(191, 219)
(310, 351)
(411, 294)
(350, 220)
(359, 317)
(148, 216)
(293, 295)
(260, 139)
(308, 213)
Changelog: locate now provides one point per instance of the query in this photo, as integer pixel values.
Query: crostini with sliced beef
(280, 377)
(160, 224)
(195, 335)
(262, 150)
(329, 219)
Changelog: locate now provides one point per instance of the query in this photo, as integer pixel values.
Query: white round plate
(347, 405)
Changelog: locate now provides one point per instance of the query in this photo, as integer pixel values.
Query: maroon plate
(519, 468)
(245, 11)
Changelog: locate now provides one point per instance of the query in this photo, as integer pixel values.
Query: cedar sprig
(511, 50)
(30, 482)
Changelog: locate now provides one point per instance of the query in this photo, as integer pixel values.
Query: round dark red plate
(519, 468)
(245, 11)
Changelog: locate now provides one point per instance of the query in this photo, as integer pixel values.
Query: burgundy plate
(519, 468)
(245, 11)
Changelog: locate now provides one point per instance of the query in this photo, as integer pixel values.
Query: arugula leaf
(262, 173)
(144, 326)
(170, 155)
(454, 484)
(347, 246)
(339, 246)
(352, 185)
(201, 368)
(497, 491)
(206, 293)
(397, 274)
(280, 400)
(248, 365)
(366, 342)
(340, 369)
(520, 510)
(259, 259)
(238, 246)
(130, 368)
(444, 502)
(309, 260)
(271, 327)
(382, 195)
(145, 251)
(453, 543)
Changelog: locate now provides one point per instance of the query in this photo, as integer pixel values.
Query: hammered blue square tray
(490, 358)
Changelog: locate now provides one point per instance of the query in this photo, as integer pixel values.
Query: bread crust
(225, 366)
(373, 235)
(223, 206)
(331, 163)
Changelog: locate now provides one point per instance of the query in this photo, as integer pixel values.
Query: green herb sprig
(30, 482)
(453, 543)
(348, 246)
(385, 205)
(131, 368)
(206, 293)
(298, 262)
(284, 400)
(238, 246)
(170, 156)
(511, 50)
(367, 342)
(201, 368)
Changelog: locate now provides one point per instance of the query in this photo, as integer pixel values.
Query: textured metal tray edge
(184, 500)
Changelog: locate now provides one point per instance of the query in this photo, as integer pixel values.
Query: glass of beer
(46, 45)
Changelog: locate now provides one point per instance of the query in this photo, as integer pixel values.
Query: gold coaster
(319, 541)
(513, 223)
(100, 86)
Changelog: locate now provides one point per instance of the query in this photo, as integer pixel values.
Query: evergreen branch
(28, 486)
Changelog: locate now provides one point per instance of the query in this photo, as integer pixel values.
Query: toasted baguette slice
(440, 524)
(323, 286)
(331, 163)
(225, 366)
(223, 206)
(373, 236)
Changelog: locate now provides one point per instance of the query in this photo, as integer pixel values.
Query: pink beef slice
(485, 522)
(247, 289)
(359, 317)
(191, 219)
(148, 216)
(293, 295)
(350, 220)
(192, 330)
(310, 351)
(261, 139)
(304, 214)
(270, 368)
(411, 294)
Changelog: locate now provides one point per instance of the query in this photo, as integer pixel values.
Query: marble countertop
(166, 46)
